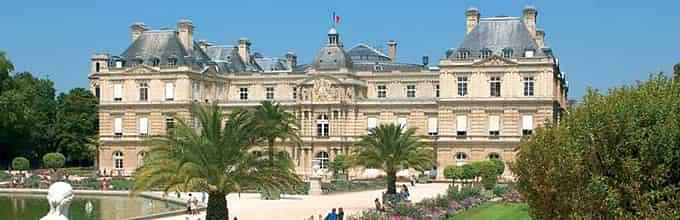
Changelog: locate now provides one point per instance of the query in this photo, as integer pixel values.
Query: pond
(28, 206)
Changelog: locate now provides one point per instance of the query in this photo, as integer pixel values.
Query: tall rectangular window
(169, 91)
(143, 91)
(169, 124)
(495, 86)
(243, 93)
(527, 124)
(382, 91)
(494, 125)
(461, 125)
(411, 91)
(528, 86)
(462, 86)
(322, 126)
(371, 123)
(118, 92)
(143, 126)
(118, 126)
(196, 90)
(97, 91)
(269, 93)
(436, 90)
(432, 126)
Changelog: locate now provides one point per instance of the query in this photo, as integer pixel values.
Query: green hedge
(352, 186)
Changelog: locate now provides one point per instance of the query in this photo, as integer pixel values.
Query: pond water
(30, 207)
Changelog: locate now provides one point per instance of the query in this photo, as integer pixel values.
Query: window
(269, 93)
(382, 91)
(172, 61)
(494, 125)
(527, 124)
(411, 91)
(494, 156)
(295, 93)
(485, 53)
(507, 52)
(155, 62)
(528, 86)
(371, 123)
(169, 91)
(118, 160)
(96, 68)
(97, 91)
(336, 114)
(306, 114)
(143, 91)
(118, 126)
(529, 53)
(243, 93)
(461, 125)
(143, 126)
(462, 86)
(436, 90)
(495, 86)
(322, 126)
(432, 126)
(196, 90)
(169, 124)
(461, 158)
(118, 92)
(378, 68)
(322, 157)
(403, 123)
(119, 64)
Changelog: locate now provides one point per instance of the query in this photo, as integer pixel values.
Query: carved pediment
(141, 69)
(495, 60)
(323, 88)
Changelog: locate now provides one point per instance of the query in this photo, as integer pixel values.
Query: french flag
(335, 18)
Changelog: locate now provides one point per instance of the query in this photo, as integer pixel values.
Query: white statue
(59, 196)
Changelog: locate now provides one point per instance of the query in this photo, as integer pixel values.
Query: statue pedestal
(315, 186)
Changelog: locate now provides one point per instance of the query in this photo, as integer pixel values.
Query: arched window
(118, 160)
(322, 157)
(494, 156)
(322, 126)
(155, 62)
(461, 158)
(140, 158)
(485, 53)
(507, 52)
(172, 61)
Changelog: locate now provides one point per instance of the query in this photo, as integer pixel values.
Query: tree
(488, 171)
(616, 156)
(216, 160)
(453, 172)
(76, 124)
(54, 161)
(339, 166)
(6, 67)
(274, 123)
(21, 164)
(391, 148)
(676, 71)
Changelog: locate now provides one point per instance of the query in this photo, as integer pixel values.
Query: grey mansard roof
(226, 57)
(497, 34)
(362, 53)
(162, 45)
(332, 58)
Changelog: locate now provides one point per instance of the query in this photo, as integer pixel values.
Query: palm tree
(215, 158)
(273, 123)
(391, 148)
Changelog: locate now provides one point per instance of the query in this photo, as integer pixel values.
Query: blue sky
(600, 43)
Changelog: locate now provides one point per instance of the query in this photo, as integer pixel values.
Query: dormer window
(463, 54)
(137, 61)
(529, 53)
(378, 68)
(507, 52)
(172, 61)
(155, 62)
(485, 53)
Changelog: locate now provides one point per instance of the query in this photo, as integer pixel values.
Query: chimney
(291, 60)
(185, 31)
(472, 15)
(137, 29)
(100, 63)
(392, 50)
(244, 49)
(540, 38)
(529, 15)
(426, 60)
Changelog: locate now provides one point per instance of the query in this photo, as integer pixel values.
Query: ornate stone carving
(323, 91)
(495, 61)
(59, 197)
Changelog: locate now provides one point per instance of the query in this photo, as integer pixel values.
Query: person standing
(332, 215)
(341, 214)
(378, 206)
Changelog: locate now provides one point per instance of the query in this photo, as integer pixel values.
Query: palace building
(499, 84)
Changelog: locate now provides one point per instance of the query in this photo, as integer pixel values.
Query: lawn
(495, 211)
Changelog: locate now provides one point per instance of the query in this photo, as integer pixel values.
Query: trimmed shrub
(488, 171)
(54, 160)
(500, 166)
(21, 163)
(500, 190)
(453, 172)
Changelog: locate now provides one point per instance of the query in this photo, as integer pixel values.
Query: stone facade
(469, 107)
